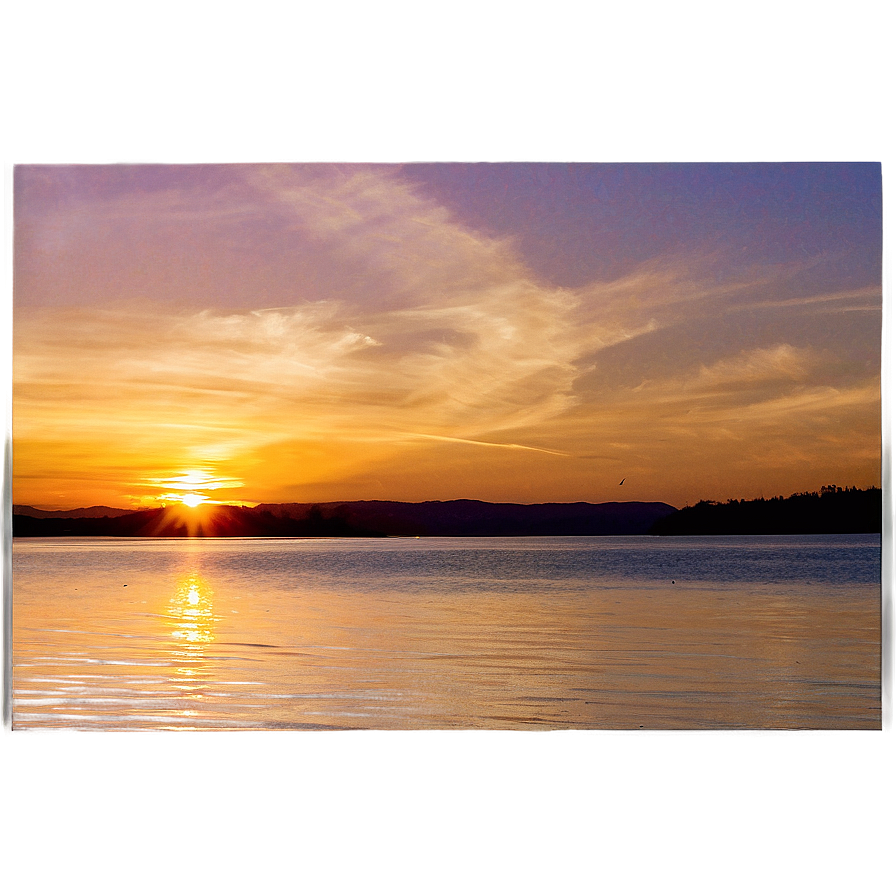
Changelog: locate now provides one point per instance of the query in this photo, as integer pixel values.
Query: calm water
(774, 631)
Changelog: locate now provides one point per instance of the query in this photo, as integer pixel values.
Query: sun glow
(190, 488)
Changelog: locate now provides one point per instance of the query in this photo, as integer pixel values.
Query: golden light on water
(192, 611)
(191, 620)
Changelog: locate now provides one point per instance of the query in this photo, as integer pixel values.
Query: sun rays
(189, 488)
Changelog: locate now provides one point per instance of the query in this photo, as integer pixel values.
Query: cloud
(777, 386)
(378, 225)
(506, 445)
(866, 298)
(437, 328)
(777, 365)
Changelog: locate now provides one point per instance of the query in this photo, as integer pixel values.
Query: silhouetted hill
(468, 518)
(80, 512)
(359, 519)
(832, 510)
(180, 522)
(829, 511)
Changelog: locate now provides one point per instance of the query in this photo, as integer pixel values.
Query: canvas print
(486, 446)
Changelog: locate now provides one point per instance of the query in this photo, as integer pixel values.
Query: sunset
(449, 449)
(500, 446)
(511, 333)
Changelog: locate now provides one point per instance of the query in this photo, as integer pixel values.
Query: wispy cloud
(506, 445)
(868, 297)
(776, 366)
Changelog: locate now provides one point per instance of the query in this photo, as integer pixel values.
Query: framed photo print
(447, 447)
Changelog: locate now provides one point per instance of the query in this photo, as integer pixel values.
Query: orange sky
(509, 333)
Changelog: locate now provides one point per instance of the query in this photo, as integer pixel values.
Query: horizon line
(251, 505)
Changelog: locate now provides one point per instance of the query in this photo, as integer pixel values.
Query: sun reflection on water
(191, 620)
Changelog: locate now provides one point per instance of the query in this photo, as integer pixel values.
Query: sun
(191, 488)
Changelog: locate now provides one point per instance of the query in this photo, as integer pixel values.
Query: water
(726, 632)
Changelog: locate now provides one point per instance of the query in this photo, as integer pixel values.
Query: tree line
(830, 510)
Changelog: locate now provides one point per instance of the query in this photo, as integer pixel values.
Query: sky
(503, 332)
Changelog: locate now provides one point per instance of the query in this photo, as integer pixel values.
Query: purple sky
(497, 331)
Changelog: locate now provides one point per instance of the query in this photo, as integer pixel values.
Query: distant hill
(831, 510)
(79, 513)
(358, 519)
(467, 518)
